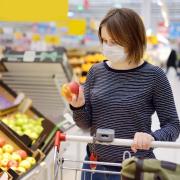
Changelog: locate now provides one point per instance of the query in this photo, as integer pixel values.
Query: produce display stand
(45, 141)
(6, 134)
(47, 125)
(40, 79)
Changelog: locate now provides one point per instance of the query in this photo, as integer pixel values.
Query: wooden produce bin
(17, 144)
(31, 112)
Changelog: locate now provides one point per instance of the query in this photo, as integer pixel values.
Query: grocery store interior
(45, 45)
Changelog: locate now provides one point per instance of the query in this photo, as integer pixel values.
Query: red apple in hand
(12, 163)
(22, 153)
(74, 87)
(2, 142)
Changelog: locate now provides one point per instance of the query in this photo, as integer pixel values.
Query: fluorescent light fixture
(159, 2)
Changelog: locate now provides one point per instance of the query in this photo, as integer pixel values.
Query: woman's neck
(124, 66)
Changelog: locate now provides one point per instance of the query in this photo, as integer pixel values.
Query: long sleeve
(82, 115)
(163, 101)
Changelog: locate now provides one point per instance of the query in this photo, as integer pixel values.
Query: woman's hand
(77, 101)
(141, 141)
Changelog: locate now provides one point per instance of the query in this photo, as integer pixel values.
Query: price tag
(29, 56)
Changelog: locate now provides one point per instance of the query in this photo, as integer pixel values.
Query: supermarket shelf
(40, 81)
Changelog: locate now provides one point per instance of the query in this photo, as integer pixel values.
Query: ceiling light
(159, 2)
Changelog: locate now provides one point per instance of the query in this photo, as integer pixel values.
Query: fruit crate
(10, 145)
(47, 125)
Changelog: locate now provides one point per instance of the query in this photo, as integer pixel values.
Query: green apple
(33, 135)
(11, 126)
(18, 128)
(20, 133)
(31, 160)
(39, 121)
(16, 157)
(18, 115)
(25, 127)
(12, 122)
(25, 164)
(38, 129)
(27, 132)
(4, 162)
(30, 126)
(19, 122)
(8, 148)
(21, 169)
(6, 156)
(5, 120)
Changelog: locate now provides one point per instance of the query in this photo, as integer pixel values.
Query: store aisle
(77, 151)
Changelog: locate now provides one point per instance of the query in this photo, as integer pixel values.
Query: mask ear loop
(128, 155)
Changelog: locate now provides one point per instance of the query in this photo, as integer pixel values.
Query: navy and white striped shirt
(125, 100)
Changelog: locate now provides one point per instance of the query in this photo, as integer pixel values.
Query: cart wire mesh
(59, 161)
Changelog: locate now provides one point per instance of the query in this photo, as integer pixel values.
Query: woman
(123, 92)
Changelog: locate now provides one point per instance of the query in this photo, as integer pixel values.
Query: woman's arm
(163, 102)
(82, 115)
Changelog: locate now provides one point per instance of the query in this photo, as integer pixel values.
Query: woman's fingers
(141, 141)
(78, 101)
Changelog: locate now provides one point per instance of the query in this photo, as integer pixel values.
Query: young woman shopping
(123, 92)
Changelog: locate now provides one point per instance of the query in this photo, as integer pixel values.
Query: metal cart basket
(101, 138)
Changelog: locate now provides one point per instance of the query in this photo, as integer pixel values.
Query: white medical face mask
(114, 53)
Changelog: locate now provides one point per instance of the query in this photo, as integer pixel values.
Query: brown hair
(126, 29)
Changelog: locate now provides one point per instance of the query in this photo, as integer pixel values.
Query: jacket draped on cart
(125, 100)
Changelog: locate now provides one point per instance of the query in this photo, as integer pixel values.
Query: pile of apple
(24, 125)
(67, 90)
(17, 160)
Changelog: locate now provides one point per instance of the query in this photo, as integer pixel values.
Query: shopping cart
(102, 137)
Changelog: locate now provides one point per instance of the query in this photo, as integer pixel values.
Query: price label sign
(29, 56)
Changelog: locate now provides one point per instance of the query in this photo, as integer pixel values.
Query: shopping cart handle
(116, 141)
(56, 142)
(58, 138)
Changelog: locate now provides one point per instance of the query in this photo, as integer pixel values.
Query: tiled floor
(76, 151)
